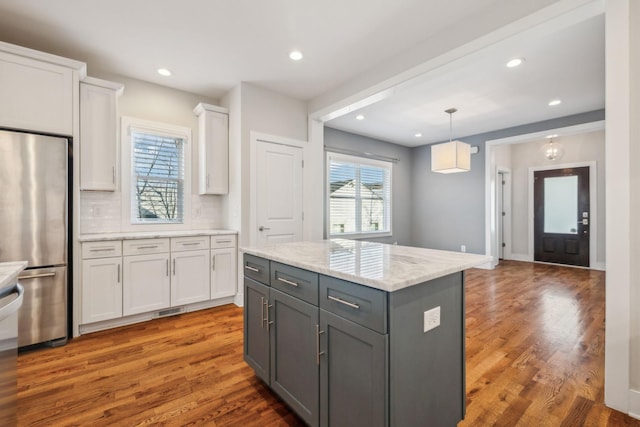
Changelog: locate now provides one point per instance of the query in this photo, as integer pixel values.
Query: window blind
(359, 195)
(158, 177)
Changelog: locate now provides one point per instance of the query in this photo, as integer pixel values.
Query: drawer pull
(256, 270)
(288, 282)
(36, 276)
(148, 247)
(190, 243)
(341, 301)
(223, 241)
(102, 249)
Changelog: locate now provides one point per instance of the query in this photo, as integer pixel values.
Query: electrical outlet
(431, 319)
(463, 248)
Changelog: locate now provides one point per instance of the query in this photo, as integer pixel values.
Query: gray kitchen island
(352, 333)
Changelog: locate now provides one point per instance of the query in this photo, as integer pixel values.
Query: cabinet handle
(207, 180)
(213, 263)
(223, 241)
(318, 352)
(148, 247)
(174, 266)
(118, 273)
(113, 173)
(288, 282)
(257, 270)
(167, 268)
(190, 243)
(269, 322)
(262, 319)
(341, 301)
(102, 249)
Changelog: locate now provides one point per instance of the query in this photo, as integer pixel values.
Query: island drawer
(103, 249)
(295, 281)
(190, 243)
(358, 303)
(145, 246)
(256, 268)
(224, 241)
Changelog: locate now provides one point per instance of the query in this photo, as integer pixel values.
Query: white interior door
(278, 193)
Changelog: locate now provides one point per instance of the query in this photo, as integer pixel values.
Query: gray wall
(448, 210)
(401, 178)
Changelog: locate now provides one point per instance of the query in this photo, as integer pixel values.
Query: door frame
(506, 220)
(593, 207)
(256, 137)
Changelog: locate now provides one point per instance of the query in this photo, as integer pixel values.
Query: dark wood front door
(562, 216)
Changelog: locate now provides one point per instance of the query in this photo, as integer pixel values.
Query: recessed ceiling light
(359, 117)
(295, 55)
(554, 102)
(555, 135)
(418, 135)
(515, 62)
(164, 72)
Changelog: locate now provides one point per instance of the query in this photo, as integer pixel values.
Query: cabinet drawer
(189, 243)
(295, 281)
(145, 246)
(257, 268)
(358, 303)
(101, 249)
(224, 241)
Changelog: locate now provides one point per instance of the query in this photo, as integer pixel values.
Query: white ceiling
(212, 45)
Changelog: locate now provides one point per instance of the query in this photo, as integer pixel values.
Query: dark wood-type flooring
(535, 357)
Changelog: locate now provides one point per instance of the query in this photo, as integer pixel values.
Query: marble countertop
(98, 237)
(9, 272)
(377, 265)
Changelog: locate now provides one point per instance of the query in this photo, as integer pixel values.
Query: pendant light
(552, 150)
(452, 156)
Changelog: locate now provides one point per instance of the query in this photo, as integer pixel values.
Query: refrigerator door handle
(35, 276)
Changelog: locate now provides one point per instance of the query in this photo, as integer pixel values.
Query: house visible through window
(359, 196)
(157, 184)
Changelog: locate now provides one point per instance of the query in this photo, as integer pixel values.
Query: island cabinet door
(353, 374)
(294, 354)
(256, 327)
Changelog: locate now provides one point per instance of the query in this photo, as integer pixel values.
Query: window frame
(388, 208)
(128, 176)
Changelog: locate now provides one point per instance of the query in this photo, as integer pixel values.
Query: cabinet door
(98, 138)
(214, 152)
(35, 95)
(146, 284)
(190, 277)
(256, 327)
(101, 289)
(223, 273)
(294, 354)
(353, 373)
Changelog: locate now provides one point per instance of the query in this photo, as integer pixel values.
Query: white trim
(593, 204)
(159, 128)
(489, 168)
(521, 257)
(634, 404)
(506, 220)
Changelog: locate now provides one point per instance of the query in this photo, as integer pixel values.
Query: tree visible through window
(158, 178)
(359, 195)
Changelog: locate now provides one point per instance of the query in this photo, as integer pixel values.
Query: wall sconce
(452, 156)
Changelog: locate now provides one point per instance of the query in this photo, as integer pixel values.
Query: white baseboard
(634, 404)
(521, 257)
(239, 299)
(599, 266)
(486, 266)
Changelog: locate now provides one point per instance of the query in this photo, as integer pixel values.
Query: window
(155, 161)
(359, 199)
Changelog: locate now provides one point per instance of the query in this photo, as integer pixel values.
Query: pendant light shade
(552, 150)
(452, 156)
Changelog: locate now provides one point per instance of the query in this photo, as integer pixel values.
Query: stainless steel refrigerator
(34, 204)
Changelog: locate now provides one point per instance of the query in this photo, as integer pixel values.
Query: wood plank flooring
(535, 357)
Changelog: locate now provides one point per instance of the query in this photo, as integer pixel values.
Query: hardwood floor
(535, 357)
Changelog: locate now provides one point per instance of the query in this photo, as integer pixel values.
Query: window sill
(358, 236)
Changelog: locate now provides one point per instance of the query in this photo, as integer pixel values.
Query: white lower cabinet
(190, 277)
(223, 272)
(102, 289)
(147, 285)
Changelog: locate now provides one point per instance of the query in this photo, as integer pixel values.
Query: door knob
(262, 228)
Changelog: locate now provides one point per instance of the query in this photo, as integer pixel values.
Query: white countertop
(9, 272)
(98, 237)
(378, 265)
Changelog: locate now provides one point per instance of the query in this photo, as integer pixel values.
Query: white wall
(577, 148)
(100, 212)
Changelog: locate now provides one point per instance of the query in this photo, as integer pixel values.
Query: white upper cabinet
(99, 134)
(36, 90)
(213, 148)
